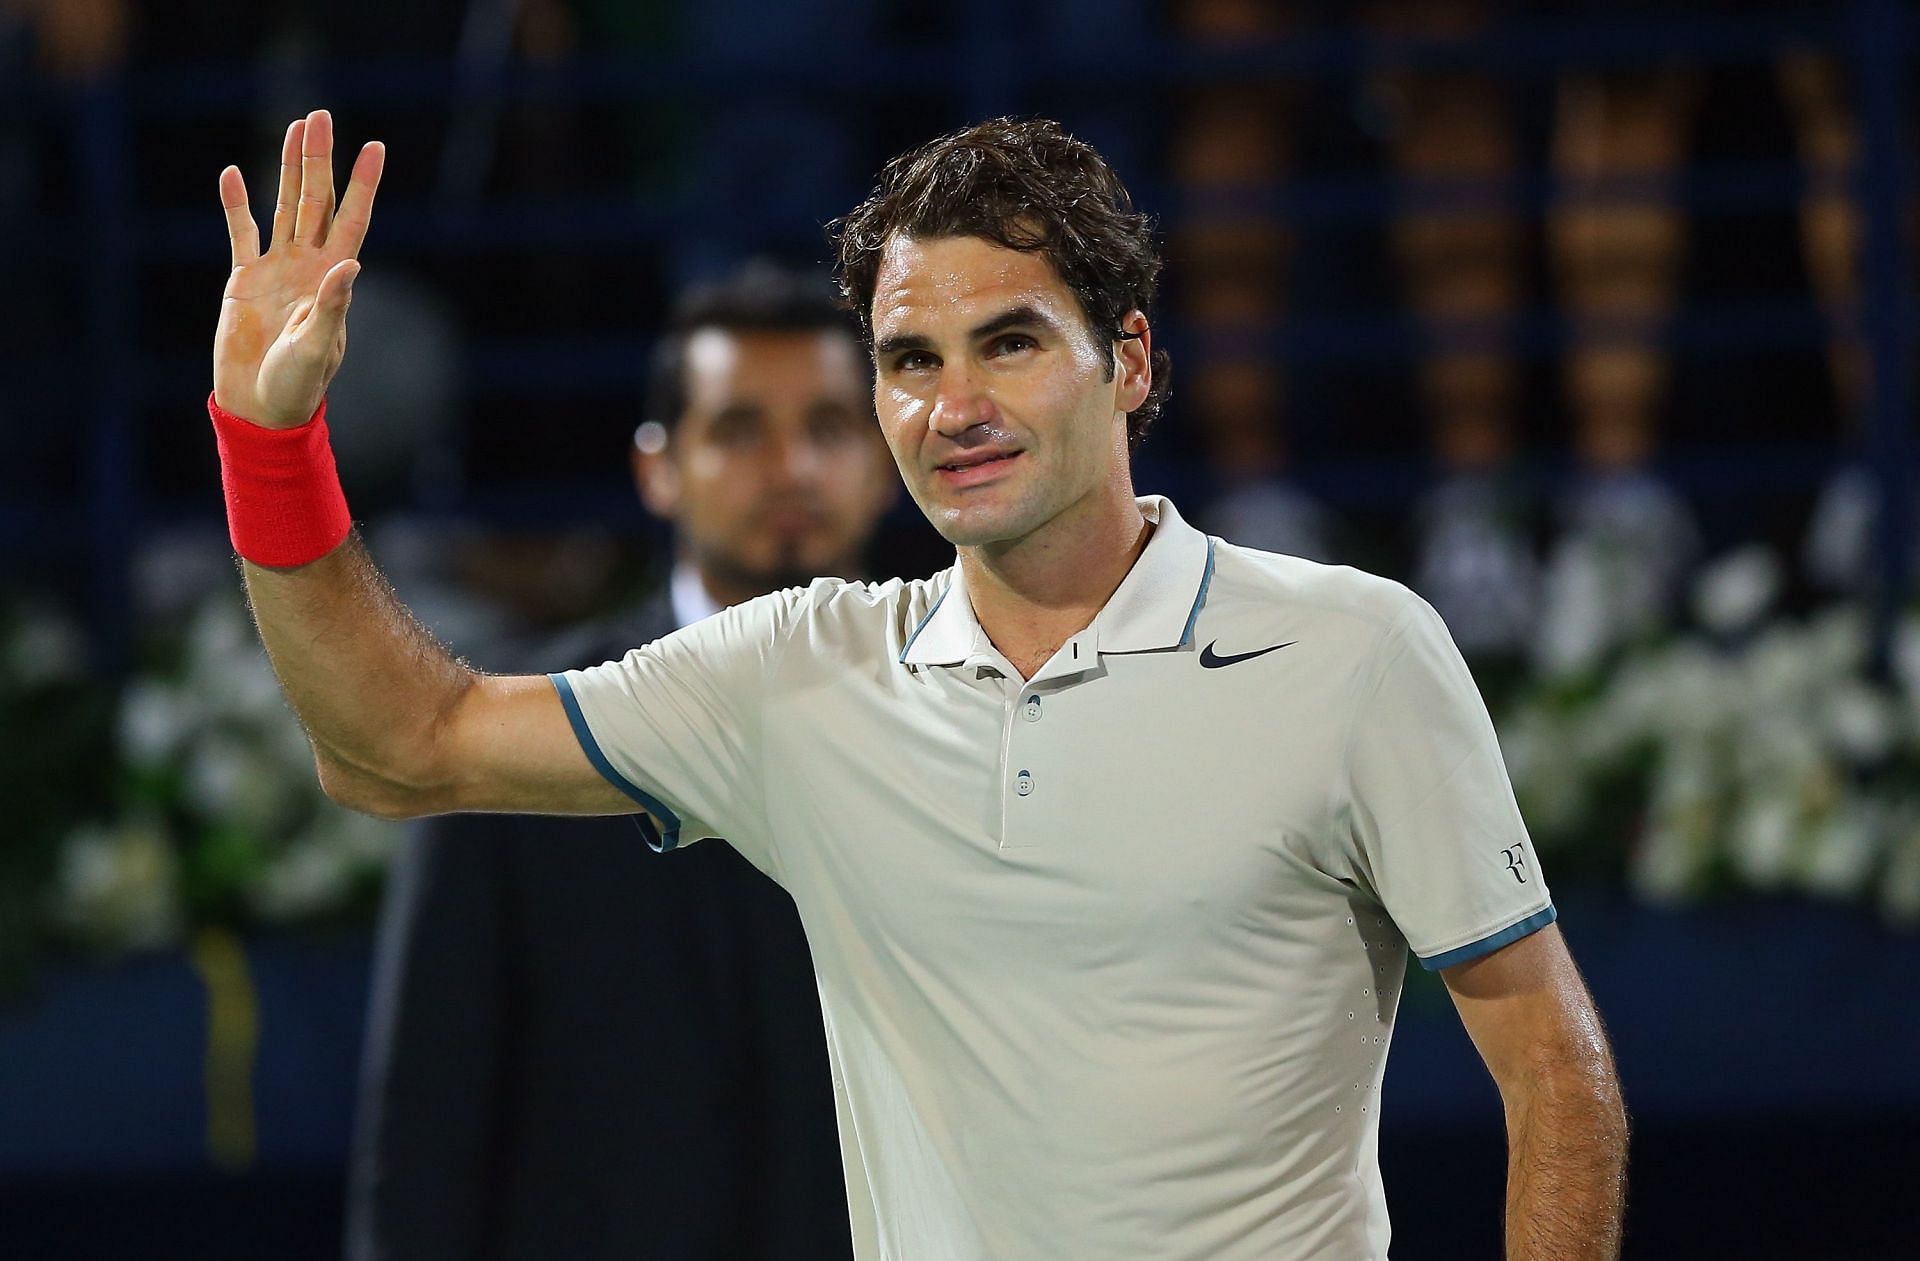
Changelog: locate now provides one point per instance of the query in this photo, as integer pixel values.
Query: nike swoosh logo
(1213, 661)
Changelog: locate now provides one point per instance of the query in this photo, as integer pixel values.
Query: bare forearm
(1566, 1164)
(367, 680)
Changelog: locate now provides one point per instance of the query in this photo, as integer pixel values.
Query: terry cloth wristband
(284, 503)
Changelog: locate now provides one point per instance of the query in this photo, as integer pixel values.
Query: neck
(726, 594)
(727, 586)
(1033, 594)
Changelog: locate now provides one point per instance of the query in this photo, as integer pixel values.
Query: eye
(833, 429)
(733, 430)
(914, 361)
(1011, 344)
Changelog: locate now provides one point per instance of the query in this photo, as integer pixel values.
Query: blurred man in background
(580, 1049)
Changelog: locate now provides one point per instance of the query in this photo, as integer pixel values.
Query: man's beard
(789, 569)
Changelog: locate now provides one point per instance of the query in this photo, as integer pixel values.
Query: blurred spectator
(1476, 562)
(1626, 541)
(1827, 137)
(1461, 257)
(74, 41)
(575, 1042)
(1236, 139)
(1840, 549)
(1616, 259)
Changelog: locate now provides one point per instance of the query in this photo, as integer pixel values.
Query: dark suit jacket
(579, 1048)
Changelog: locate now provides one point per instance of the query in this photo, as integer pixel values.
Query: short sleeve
(1435, 827)
(675, 725)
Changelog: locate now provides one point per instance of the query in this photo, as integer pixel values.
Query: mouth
(789, 518)
(976, 467)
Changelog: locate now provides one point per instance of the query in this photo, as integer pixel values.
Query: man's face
(1002, 408)
(771, 474)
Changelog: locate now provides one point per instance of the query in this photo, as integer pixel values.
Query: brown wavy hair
(1024, 184)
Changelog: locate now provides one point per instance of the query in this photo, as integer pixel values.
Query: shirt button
(1032, 710)
(1023, 783)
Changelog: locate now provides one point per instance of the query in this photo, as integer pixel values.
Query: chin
(978, 526)
(808, 562)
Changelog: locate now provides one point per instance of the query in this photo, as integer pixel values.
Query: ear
(657, 478)
(1133, 356)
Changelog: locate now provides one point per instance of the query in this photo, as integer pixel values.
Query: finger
(243, 234)
(284, 203)
(356, 208)
(316, 181)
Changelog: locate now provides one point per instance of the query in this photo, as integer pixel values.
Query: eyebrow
(1023, 316)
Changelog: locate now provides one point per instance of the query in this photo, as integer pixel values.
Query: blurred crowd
(1539, 333)
(1523, 480)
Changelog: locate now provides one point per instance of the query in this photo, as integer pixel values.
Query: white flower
(1906, 657)
(1763, 839)
(1699, 692)
(1842, 852)
(1734, 591)
(1836, 641)
(1682, 820)
(118, 886)
(1577, 621)
(45, 647)
(236, 779)
(1540, 755)
(306, 878)
(1861, 722)
(318, 871)
(155, 721)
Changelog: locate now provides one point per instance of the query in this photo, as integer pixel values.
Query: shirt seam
(1369, 689)
(774, 667)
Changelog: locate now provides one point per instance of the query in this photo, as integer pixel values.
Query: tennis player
(1110, 841)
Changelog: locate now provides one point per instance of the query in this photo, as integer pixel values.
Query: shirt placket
(1028, 743)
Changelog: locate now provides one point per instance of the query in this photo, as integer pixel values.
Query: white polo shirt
(1108, 958)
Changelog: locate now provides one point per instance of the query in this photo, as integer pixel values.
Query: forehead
(923, 284)
(723, 362)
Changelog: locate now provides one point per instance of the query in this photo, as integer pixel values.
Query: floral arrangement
(217, 816)
(54, 764)
(1752, 753)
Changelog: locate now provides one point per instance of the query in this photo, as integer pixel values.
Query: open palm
(283, 319)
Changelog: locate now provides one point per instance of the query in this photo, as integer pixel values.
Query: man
(533, 1051)
(1109, 841)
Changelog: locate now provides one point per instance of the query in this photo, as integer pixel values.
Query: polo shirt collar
(1153, 609)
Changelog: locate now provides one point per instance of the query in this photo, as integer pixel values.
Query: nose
(960, 403)
(796, 458)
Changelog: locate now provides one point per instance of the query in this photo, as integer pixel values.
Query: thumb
(336, 288)
(328, 318)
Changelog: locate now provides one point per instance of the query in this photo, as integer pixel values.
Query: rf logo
(1516, 862)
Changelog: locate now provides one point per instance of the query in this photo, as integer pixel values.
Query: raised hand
(283, 319)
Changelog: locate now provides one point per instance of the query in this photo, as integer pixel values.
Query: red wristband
(284, 503)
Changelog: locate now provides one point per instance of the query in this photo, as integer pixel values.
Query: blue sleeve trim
(1488, 944)
(584, 734)
(1200, 596)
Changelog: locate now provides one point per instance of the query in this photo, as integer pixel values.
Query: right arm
(398, 727)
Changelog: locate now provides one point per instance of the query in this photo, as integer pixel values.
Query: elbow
(406, 775)
(365, 793)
